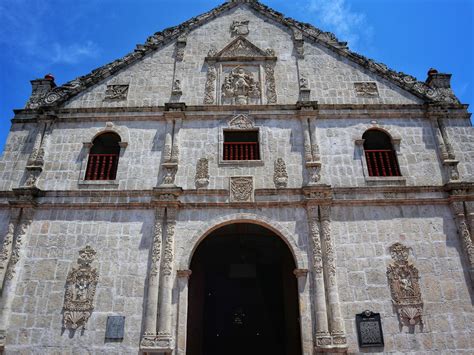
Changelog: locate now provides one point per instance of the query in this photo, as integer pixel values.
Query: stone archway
(243, 295)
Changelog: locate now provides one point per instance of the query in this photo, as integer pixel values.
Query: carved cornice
(60, 94)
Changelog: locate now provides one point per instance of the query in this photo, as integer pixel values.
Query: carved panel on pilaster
(403, 279)
(81, 284)
(280, 175)
(202, 173)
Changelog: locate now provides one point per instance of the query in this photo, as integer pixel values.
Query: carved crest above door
(240, 74)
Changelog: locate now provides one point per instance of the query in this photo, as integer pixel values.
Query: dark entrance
(243, 294)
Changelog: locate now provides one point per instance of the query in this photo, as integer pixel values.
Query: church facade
(240, 183)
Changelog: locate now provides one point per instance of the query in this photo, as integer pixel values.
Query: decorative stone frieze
(240, 87)
(202, 173)
(280, 176)
(239, 28)
(241, 189)
(241, 121)
(270, 83)
(366, 89)
(210, 88)
(403, 279)
(81, 283)
(116, 92)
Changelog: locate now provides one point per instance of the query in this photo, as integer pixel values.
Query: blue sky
(69, 38)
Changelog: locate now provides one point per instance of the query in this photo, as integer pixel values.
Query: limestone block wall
(461, 133)
(362, 236)
(342, 157)
(15, 154)
(149, 83)
(66, 156)
(122, 240)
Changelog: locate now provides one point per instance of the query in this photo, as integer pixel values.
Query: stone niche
(240, 74)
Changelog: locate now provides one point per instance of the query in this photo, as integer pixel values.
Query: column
(183, 279)
(166, 283)
(336, 322)
(465, 235)
(449, 148)
(314, 139)
(307, 140)
(322, 337)
(154, 274)
(45, 139)
(7, 247)
(304, 310)
(175, 146)
(37, 143)
(168, 141)
(439, 139)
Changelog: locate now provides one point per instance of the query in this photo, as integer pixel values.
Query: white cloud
(27, 34)
(338, 17)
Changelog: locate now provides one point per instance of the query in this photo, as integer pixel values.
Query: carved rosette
(241, 189)
(81, 284)
(280, 176)
(270, 83)
(210, 88)
(403, 279)
(202, 173)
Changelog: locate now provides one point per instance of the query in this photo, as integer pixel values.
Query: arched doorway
(243, 295)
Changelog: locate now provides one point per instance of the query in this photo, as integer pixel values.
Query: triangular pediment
(241, 47)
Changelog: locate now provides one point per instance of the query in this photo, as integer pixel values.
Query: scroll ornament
(404, 286)
(81, 283)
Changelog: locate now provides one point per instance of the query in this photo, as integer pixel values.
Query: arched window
(379, 154)
(103, 157)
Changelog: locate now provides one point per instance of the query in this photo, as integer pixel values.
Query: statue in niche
(240, 88)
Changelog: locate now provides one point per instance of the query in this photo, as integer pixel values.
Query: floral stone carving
(81, 283)
(239, 28)
(241, 122)
(280, 176)
(366, 89)
(404, 286)
(116, 92)
(240, 88)
(241, 189)
(202, 173)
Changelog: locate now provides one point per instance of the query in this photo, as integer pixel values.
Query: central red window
(241, 145)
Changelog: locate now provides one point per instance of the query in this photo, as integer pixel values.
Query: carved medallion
(81, 283)
(241, 189)
(116, 92)
(240, 87)
(239, 28)
(367, 89)
(404, 286)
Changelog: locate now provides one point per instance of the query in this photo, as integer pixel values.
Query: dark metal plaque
(369, 329)
(115, 327)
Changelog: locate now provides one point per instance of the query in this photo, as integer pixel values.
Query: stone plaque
(115, 327)
(369, 329)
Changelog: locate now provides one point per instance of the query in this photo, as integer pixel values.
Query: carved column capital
(184, 273)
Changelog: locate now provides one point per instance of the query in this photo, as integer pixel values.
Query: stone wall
(121, 239)
(461, 135)
(362, 237)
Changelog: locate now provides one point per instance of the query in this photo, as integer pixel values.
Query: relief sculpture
(81, 283)
(240, 88)
(404, 286)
